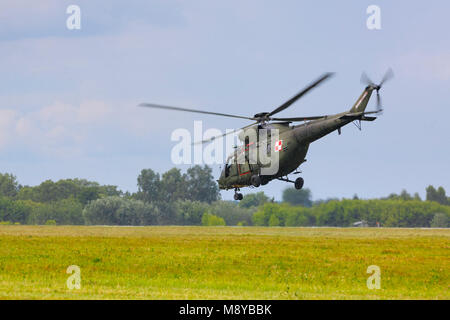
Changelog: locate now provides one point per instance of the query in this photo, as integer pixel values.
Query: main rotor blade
(222, 135)
(158, 106)
(298, 118)
(301, 93)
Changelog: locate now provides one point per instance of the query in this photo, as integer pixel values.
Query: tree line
(193, 198)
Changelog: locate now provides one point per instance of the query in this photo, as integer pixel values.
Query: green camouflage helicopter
(292, 141)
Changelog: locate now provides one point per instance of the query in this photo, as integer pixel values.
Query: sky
(68, 98)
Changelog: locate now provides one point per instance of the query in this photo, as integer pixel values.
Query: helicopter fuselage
(292, 143)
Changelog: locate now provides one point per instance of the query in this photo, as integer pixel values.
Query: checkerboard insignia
(278, 145)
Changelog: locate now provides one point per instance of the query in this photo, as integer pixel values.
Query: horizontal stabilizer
(358, 116)
(364, 118)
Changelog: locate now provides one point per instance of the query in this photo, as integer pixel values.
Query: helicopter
(292, 140)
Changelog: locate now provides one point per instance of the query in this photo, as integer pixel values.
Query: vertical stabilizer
(361, 104)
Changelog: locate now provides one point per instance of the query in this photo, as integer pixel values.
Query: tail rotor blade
(387, 76)
(378, 101)
(365, 79)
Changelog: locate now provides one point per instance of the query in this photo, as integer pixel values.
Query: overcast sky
(68, 98)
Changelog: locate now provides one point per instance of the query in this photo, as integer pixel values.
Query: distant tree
(50, 223)
(9, 186)
(80, 189)
(14, 211)
(254, 199)
(167, 213)
(119, 211)
(190, 212)
(431, 193)
(64, 212)
(201, 185)
(88, 194)
(103, 211)
(231, 212)
(95, 188)
(440, 220)
(212, 220)
(437, 195)
(109, 191)
(404, 195)
(173, 185)
(297, 197)
(83, 183)
(51, 191)
(274, 221)
(197, 184)
(320, 201)
(149, 186)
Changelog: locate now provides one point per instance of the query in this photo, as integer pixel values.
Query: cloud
(92, 126)
(426, 65)
(59, 128)
(87, 112)
(7, 121)
(23, 19)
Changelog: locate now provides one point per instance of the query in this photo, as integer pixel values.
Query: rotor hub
(261, 115)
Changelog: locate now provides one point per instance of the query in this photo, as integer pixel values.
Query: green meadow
(223, 262)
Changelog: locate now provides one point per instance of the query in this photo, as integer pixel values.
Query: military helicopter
(293, 140)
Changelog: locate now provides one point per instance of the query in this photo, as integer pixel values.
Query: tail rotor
(366, 80)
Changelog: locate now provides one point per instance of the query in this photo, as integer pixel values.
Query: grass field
(223, 262)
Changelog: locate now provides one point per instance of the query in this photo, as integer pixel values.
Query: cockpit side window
(230, 161)
(227, 169)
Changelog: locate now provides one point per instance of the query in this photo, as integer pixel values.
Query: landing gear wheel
(256, 181)
(299, 183)
(238, 196)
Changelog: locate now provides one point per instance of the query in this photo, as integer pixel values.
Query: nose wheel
(238, 196)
